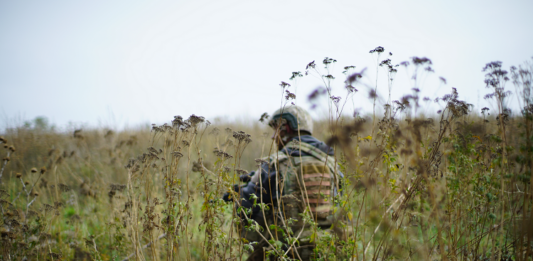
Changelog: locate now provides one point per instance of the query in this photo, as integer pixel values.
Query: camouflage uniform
(299, 180)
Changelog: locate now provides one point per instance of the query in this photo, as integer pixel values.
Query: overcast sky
(125, 63)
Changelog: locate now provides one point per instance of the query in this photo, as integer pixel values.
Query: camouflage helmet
(295, 116)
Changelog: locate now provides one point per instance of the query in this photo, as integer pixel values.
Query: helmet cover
(295, 116)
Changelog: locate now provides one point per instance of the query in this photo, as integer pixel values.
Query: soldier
(298, 184)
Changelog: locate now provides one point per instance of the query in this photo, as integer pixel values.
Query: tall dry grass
(456, 186)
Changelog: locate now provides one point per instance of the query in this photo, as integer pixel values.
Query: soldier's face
(280, 132)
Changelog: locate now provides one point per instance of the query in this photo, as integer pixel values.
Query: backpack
(307, 184)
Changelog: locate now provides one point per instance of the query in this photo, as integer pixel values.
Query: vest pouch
(314, 188)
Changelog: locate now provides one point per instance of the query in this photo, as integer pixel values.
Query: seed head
(177, 121)
(289, 95)
(294, 76)
(33, 170)
(63, 187)
(378, 50)
(43, 170)
(241, 171)
(222, 154)
(117, 187)
(2, 139)
(328, 60)
(35, 193)
(240, 135)
(18, 175)
(7, 159)
(177, 154)
(194, 120)
(284, 84)
(197, 166)
(421, 61)
(310, 65)
(264, 117)
(12, 148)
(26, 183)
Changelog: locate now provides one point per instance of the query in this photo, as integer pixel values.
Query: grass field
(456, 186)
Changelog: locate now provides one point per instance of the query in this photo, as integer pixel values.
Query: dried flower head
(295, 75)
(197, 166)
(311, 65)
(55, 255)
(130, 164)
(264, 117)
(63, 187)
(43, 170)
(350, 88)
(378, 50)
(177, 121)
(117, 187)
(222, 154)
(177, 154)
(241, 136)
(18, 175)
(75, 218)
(284, 85)
(43, 184)
(420, 61)
(329, 77)
(195, 120)
(215, 131)
(153, 150)
(315, 94)
(289, 95)
(348, 68)
(241, 171)
(328, 61)
(32, 213)
(335, 99)
(355, 76)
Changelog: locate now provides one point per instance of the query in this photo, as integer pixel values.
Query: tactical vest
(307, 184)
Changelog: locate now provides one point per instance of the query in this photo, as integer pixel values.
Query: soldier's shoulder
(274, 157)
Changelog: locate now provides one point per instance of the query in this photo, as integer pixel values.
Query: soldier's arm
(250, 193)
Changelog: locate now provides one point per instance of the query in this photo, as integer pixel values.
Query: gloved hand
(236, 187)
(245, 178)
(227, 198)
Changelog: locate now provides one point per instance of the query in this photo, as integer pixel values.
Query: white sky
(124, 63)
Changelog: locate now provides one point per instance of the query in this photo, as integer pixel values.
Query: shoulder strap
(315, 152)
